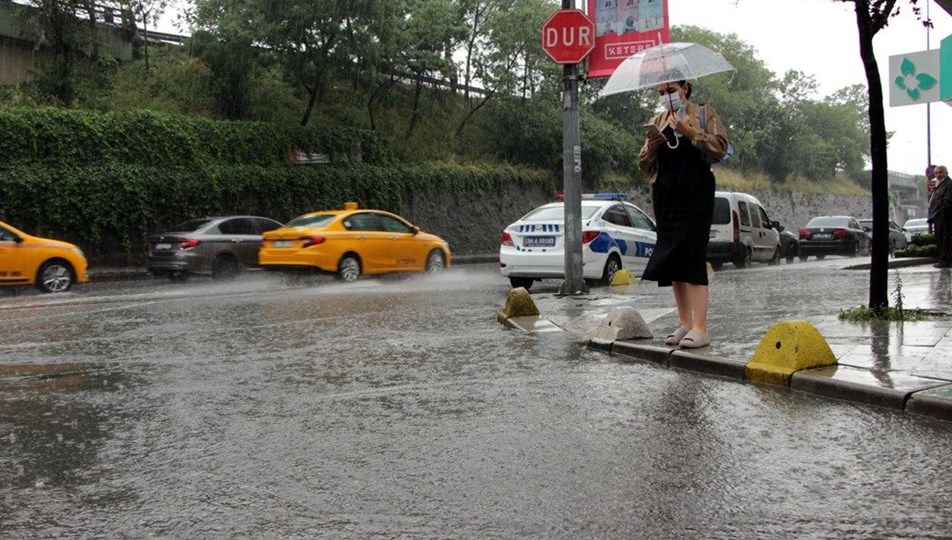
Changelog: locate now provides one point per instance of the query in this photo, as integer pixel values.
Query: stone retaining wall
(472, 225)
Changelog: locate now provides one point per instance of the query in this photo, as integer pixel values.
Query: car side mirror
(416, 229)
(776, 225)
(18, 239)
(867, 229)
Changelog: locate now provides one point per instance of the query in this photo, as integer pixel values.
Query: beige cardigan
(712, 142)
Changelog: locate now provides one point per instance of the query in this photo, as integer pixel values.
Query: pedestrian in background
(675, 157)
(940, 215)
(930, 187)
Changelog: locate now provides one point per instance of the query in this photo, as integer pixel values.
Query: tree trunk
(878, 277)
(472, 111)
(417, 91)
(388, 84)
(312, 99)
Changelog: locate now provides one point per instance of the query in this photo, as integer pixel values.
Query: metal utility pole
(572, 178)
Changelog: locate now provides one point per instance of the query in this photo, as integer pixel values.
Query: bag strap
(703, 120)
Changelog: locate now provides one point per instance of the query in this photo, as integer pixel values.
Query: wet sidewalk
(901, 365)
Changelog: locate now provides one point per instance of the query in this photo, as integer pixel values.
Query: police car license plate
(538, 241)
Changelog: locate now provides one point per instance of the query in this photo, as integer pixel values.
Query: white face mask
(671, 102)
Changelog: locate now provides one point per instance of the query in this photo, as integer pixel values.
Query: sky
(819, 37)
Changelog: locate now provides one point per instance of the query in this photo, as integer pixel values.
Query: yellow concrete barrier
(622, 277)
(788, 346)
(518, 304)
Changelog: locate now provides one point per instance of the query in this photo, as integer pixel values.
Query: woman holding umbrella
(676, 157)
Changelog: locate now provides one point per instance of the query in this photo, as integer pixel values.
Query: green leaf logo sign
(913, 83)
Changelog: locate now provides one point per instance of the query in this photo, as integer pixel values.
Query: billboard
(622, 28)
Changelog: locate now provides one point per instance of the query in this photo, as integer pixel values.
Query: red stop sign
(568, 36)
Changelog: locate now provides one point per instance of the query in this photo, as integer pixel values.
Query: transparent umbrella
(664, 63)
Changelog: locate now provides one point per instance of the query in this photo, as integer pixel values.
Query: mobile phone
(653, 129)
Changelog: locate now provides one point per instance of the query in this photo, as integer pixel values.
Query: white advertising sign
(914, 78)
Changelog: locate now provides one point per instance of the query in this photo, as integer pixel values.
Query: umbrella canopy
(664, 63)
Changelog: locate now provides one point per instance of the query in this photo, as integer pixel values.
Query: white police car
(615, 235)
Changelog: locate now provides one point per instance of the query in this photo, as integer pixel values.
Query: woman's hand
(685, 128)
(654, 139)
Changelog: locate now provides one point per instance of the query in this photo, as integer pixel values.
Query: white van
(741, 231)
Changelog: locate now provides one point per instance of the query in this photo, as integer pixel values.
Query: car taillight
(188, 243)
(312, 241)
(841, 233)
(588, 236)
(805, 233)
(505, 239)
(736, 226)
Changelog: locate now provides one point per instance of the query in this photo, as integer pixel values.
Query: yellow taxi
(50, 265)
(352, 242)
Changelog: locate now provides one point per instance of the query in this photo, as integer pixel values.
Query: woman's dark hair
(689, 86)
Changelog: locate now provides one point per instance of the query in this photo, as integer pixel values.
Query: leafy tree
(431, 30)
(67, 30)
(509, 61)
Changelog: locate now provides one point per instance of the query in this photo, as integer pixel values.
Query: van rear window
(722, 212)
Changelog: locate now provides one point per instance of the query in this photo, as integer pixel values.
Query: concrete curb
(895, 390)
(901, 262)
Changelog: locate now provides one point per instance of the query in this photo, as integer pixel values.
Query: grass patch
(864, 314)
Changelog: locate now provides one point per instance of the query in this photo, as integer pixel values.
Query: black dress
(683, 202)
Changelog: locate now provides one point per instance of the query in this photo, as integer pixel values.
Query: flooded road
(400, 408)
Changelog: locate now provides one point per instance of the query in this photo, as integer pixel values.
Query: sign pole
(568, 37)
(574, 283)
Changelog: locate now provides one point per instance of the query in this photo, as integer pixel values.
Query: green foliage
(78, 138)
(923, 239)
(529, 132)
(864, 314)
(111, 208)
(921, 245)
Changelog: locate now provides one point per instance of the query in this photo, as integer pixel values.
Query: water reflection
(47, 437)
(940, 288)
(879, 347)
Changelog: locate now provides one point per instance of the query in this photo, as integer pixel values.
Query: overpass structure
(907, 196)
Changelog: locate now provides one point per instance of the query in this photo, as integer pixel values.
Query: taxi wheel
(434, 262)
(612, 266)
(224, 267)
(348, 269)
(55, 276)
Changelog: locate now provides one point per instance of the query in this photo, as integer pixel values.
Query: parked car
(49, 265)
(352, 242)
(615, 235)
(220, 246)
(915, 226)
(897, 239)
(789, 243)
(833, 235)
(741, 232)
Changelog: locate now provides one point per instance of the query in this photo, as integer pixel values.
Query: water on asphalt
(401, 408)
